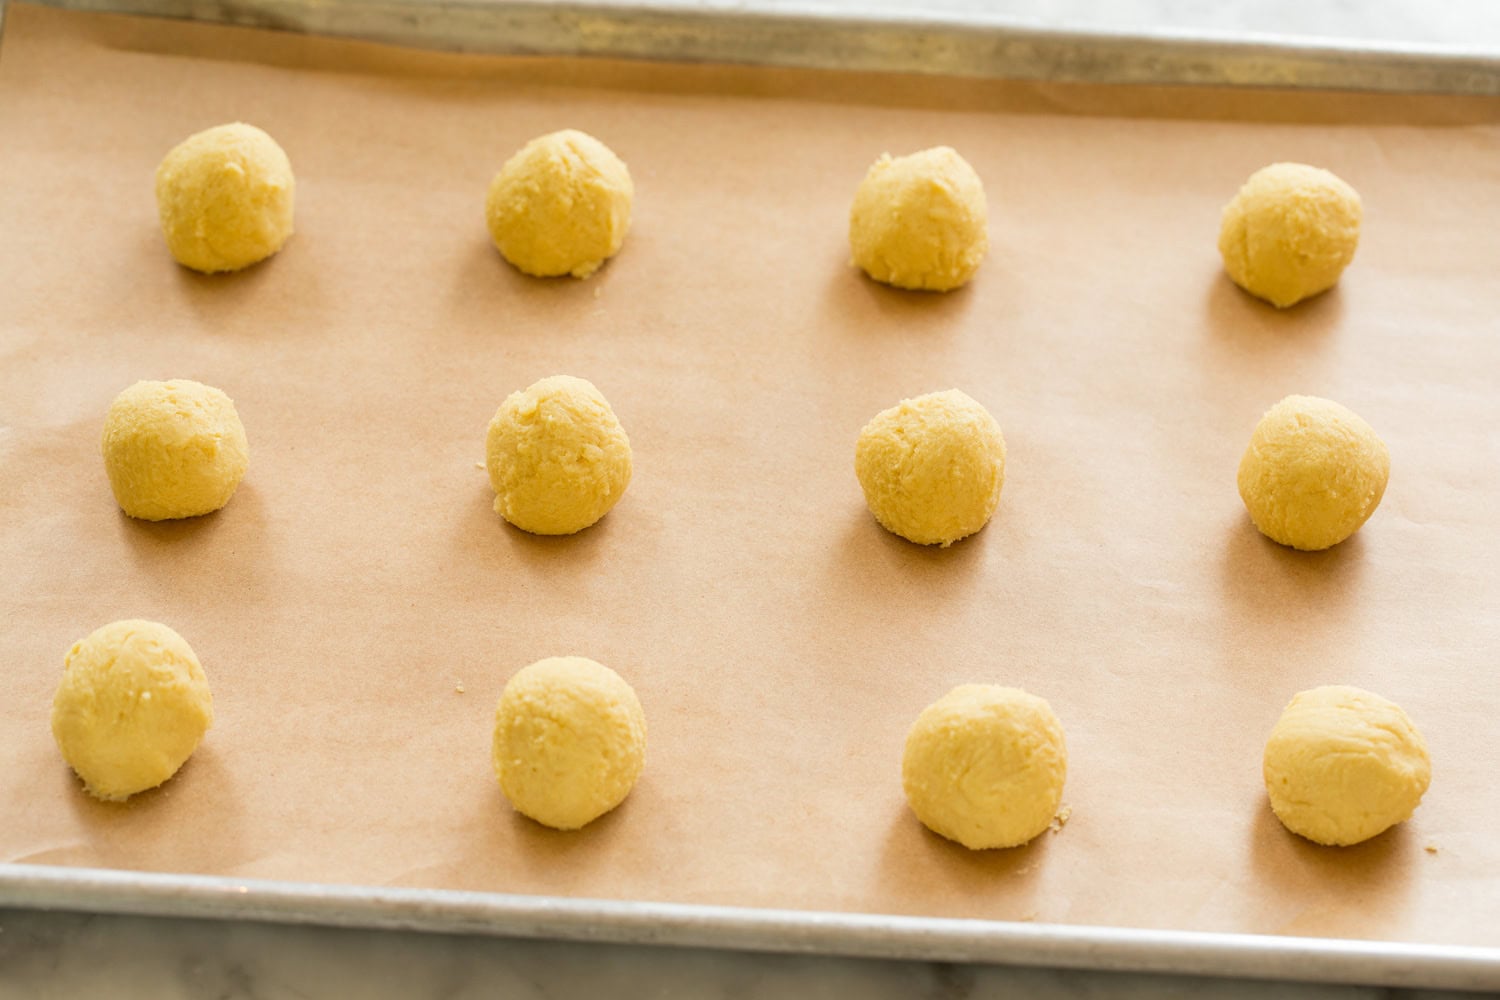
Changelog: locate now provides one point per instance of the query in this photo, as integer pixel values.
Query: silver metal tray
(823, 38)
(851, 37)
(860, 935)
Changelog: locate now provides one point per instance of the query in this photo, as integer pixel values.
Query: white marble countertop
(70, 955)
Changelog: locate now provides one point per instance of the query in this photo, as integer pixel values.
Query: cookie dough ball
(132, 707)
(173, 449)
(985, 765)
(225, 198)
(1343, 765)
(558, 459)
(560, 206)
(920, 221)
(932, 467)
(1312, 473)
(570, 741)
(1290, 232)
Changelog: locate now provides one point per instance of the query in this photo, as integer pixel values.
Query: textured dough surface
(173, 449)
(132, 707)
(1313, 473)
(985, 765)
(570, 741)
(1290, 232)
(920, 221)
(1343, 765)
(932, 467)
(558, 458)
(561, 205)
(225, 198)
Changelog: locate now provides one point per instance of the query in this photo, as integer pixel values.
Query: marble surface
(65, 955)
(44, 955)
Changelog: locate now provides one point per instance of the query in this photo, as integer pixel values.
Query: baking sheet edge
(813, 36)
(1108, 949)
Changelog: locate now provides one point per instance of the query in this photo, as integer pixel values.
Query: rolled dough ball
(225, 198)
(1312, 473)
(132, 707)
(558, 459)
(1343, 765)
(560, 206)
(1290, 232)
(570, 741)
(173, 449)
(932, 467)
(984, 765)
(920, 221)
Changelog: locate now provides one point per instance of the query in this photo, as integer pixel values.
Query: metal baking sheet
(921, 938)
(817, 40)
(847, 38)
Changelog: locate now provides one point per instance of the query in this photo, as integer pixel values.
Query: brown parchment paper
(780, 641)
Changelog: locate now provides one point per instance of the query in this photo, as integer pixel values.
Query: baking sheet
(932, 939)
(780, 641)
(870, 35)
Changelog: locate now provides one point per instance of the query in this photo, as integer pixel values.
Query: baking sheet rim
(811, 34)
(1106, 949)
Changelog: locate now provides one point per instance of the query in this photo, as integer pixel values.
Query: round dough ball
(1290, 232)
(932, 467)
(173, 449)
(132, 707)
(560, 206)
(570, 741)
(1343, 765)
(225, 198)
(984, 765)
(1312, 473)
(558, 459)
(920, 221)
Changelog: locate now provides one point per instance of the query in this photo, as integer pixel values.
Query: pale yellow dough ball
(920, 221)
(985, 765)
(225, 198)
(1290, 232)
(1312, 473)
(132, 707)
(932, 467)
(173, 449)
(570, 741)
(557, 456)
(1343, 765)
(560, 206)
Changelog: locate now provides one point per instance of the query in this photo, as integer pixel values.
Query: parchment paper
(780, 641)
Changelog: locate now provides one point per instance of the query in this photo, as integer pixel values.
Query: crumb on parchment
(1061, 819)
